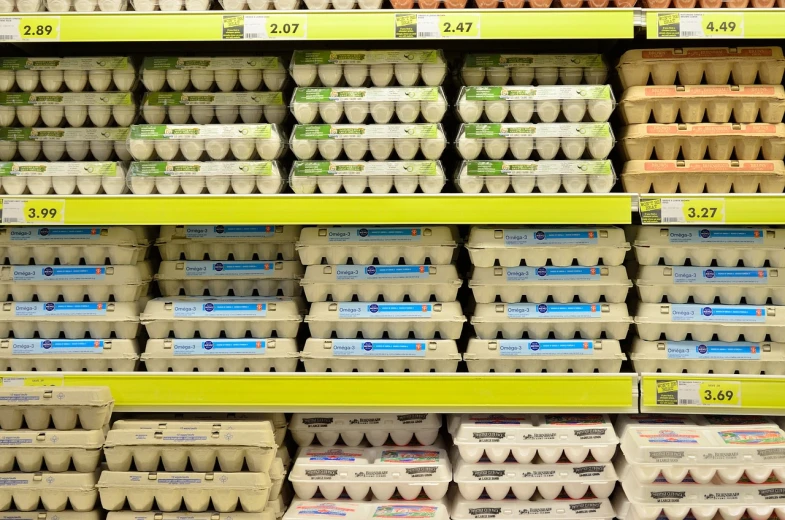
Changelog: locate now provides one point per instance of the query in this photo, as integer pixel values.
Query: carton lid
(52, 515)
(432, 349)
(72, 311)
(365, 421)
(88, 439)
(173, 437)
(276, 308)
(216, 481)
(691, 312)
(210, 421)
(505, 312)
(98, 396)
(45, 480)
(439, 311)
(170, 348)
(594, 508)
(266, 234)
(551, 275)
(701, 54)
(236, 270)
(177, 515)
(486, 237)
(351, 274)
(669, 275)
(138, 274)
(682, 93)
(593, 349)
(70, 348)
(670, 130)
(766, 351)
(591, 472)
(362, 510)
(134, 236)
(684, 167)
(377, 235)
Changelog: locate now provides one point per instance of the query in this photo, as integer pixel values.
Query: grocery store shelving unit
(712, 209)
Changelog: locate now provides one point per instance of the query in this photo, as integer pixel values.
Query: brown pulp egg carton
(70, 355)
(176, 515)
(74, 320)
(221, 354)
(96, 514)
(51, 450)
(214, 421)
(380, 355)
(54, 491)
(67, 406)
(227, 242)
(712, 4)
(229, 278)
(277, 474)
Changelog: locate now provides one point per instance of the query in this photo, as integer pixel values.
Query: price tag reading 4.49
(30, 28)
(723, 25)
(720, 393)
(33, 211)
(459, 25)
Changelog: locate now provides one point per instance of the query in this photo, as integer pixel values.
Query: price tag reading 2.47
(459, 25)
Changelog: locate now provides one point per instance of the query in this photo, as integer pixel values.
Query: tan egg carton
(513, 321)
(278, 506)
(178, 515)
(51, 451)
(192, 491)
(588, 284)
(52, 515)
(211, 421)
(731, 285)
(581, 356)
(53, 491)
(227, 242)
(229, 278)
(703, 176)
(386, 244)
(221, 355)
(716, 141)
(514, 246)
(74, 320)
(277, 478)
(720, 65)
(351, 510)
(70, 355)
(423, 320)
(380, 355)
(66, 407)
(208, 317)
(352, 429)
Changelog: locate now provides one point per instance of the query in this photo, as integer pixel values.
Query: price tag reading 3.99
(33, 211)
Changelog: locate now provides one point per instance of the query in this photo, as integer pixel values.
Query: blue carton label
(60, 308)
(54, 233)
(516, 274)
(375, 272)
(711, 350)
(56, 346)
(58, 273)
(229, 231)
(219, 347)
(534, 236)
(198, 268)
(686, 235)
(545, 347)
(550, 311)
(381, 347)
(720, 275)
(384, 311)
(219, 308)
(372, 234)
(718, 313)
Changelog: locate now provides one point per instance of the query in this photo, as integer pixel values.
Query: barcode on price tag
(30, 28)
(437, 26)
(33, 211)
(700, 25)
(698, 393)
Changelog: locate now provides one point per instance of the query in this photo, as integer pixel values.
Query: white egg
(355, 184)
(178, 114)
(431, 183)
(251, 115)
(99, 114)
(497, 75)
(381, 184)
(331, 112)
(496, 111)
(234, 5)
(304, 75)
(382, 74)
(40, 185)
(124, 115)
(29, 150)
(330, 74)
(275, 114)
(522, 75)
(75, 80)
(167, 150)
(114, 185)
(141, 150)
(330, 149)
(77, 150)
(7, 115)
(197, 5)
(600, 110)
(28, 115)
(329, 185)
(8, 150)
(470, 111)
(522, 148)
(217, 149)
(53, 150)
(8, 79)
(370, 4)
(86, 184)
(473, 77)
(121, 149)
(227, 115)
(433, 148)
(84, 6)
(303, 185)
(27, 80)
(571, 75)
(356, 75)
(194, 185)
(304, 149)
(7, 6)
(522, 111)
(29, 6)
(305, 113)
(343, 5)
(144, 6)
(203, 114)
(547, 147)
(600, 147)
(317, 5)
(51, 80)
(469, 148)
(52, 115)
(407, 74)
(101, 150)
(382, 111)
(549, 183)
(250, 79)
(548, 110)
(433, 111)
(406, 148)
(595, 76)
(407, 111)
(100, 79)
(269, 149)
(269, 184)
(523, 183)
(433, 74)
(601, 183)
(167, 185)
(241, 184)
(123, 78)
(470, 183)
(192, 149)
(154, 115)
(356, 111)
(142, 185)
(14, 185)
(242, 149)
(573, 109)
(226, 80)
(497, 183)
(154, 80)
(573, 147)
(575, 183)
(202, 79)
(274, 80)
(170, 5)
(177, 79)
(496, 148)
(356, 149)
(546, 75)
(381, 149)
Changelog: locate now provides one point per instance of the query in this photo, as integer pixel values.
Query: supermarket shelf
(712, 209)
(669, 24)
(168, 391)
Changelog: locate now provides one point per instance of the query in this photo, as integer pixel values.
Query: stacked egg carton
(548, 299)
(354, 106)
(64, 124)
(382, 298)
(703, 313)
(229, 300)
(211, 126)
(717, 128)
(553, 137)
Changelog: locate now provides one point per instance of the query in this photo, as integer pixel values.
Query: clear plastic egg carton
(703, 176)
(547, 104)
(332, 142)
(221, 355)
(76, 144)
(170, 5)
(51, 451)
(169, 142)
(207, 317)
(86, 6)
(546, 141)
(70, 355)
(204, 73)
(65, 407)
(558, 246)
(317, 508)
(352, 429)
(354, 68)
(380, 355)
(541, 284)
(227, 242)
(192, 491)
(560, 509)
(76, 320)
(387, 245)
(550, 437)
(381, 471)
(716, 141)
(63, 178)
(729, 285)
(103, 73)
(580, 356)
(525, 176)
(213, 177)
(74, 108)
(53, 491)
(204, 108)
(229, 278)
(422, 320)
(719, 66)
(513, 321)
(331, 177)
(177, 515)
(530, 69)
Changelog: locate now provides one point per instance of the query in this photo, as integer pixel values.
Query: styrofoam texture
(225, 242)
(177, 515)
(703, 176)
(121, 320)
(351, 510)
(318, 355)
(116, 355)
(234, 178)
(606, 357)
(545, 176)
(352, 429)
(51, 451)
(54, 491)
(65, 407)
(279, 355)
(540, 69)
(560, 509)
(174, 279)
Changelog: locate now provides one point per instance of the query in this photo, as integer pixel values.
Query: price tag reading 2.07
(275, 27)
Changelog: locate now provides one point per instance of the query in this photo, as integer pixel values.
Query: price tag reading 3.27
(30, 28)
(693, 211)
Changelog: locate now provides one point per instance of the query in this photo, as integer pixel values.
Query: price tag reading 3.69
(720, 393)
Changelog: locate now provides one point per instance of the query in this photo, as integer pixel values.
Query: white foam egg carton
(65, 407)
(51, 451)
(202, 73)
(524, 176)
(229, 278)
(191, 142)
(560, 246)
(716, 141)
(178, 515)
(213, 177)
(318, 508)
(204, 108)
(731, 285)
(221, 355)
(52, 515)
(273, 422)
(75, 320)
(528, 69)
(102, 73)
(352, 429)
(513, 321)
(560, 509)
(387, 245)
(720, 66)
(550, 437)
(72, 107)
(356, 177)
(224, 242)
(354, 68)
(423, 320)
(582, 356)
(703, 176)
(332, 142)
(192, 491)
(71, 355)
(54, 491)
(102, 144)
(708, 357)
(545, 141)
(380, 355)
(185, 317)
(63, 178)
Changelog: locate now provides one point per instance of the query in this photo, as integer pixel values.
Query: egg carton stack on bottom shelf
(702, 313)
(411, 269)
(536, 311)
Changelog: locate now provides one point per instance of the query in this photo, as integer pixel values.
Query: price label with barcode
(437, 26)
(33, 211)
(698, 393)
(265, 27)
(700, 25)
(677, 210)
(30, 28)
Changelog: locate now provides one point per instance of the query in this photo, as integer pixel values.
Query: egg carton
(41, 236)
(185, 317)
(317, 508)
(560, 509)
(229, 278)
(581, 356)
(65, 407)
(387, 245)
(86, 6)
(169, 142)
(352, 429)
(423, 320)
(178, 515)
(731, 285)
(571, 141)
(331, 142)
(525, 176)
(52, 515)
(62, 178)
(102, 144)
(221, 355)
(213, 177)
(559, 246)
(727, 246)
(193, 491)
(550, 437)
(277, 506)
(77, 320)
(384, 68)
(227, 242)
(703, 176)
(202, 73)
(718, 103)
(22, 6)
(357, 177)
(51, 451)
(540, 284)
(741, 65)
(70, 355)
(102, 73)
(713, 4)
(542, 320)
(258, 422)
(528, 69)
(75, 107)
(381, 355)
(54, 491)
(170, 5)
(203, 108)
